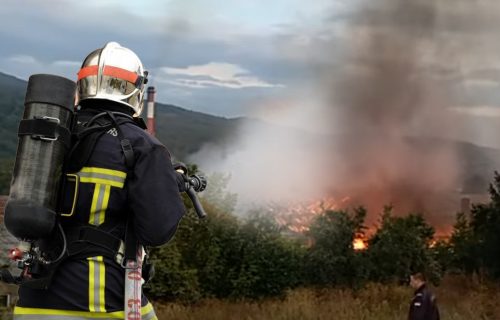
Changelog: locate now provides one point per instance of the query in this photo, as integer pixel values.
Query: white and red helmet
(113, 73)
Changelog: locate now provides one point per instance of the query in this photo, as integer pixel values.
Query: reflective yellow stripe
(110, 177)
(55, 312)
(103, 179)
(146, 309)
(100, 201)
(93, 207)
(97, 284)
(105, 201)
(102, 286)
(91, 284)
(148, 313)
(40, 314)
(110, 172)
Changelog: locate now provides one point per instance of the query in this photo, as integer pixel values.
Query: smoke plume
(379, 126)
(391, 109)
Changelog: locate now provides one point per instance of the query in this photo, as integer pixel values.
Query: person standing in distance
(423, 306)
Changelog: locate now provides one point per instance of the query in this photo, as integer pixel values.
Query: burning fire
(359, 244)
(297, 218)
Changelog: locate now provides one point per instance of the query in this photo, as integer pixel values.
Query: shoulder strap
(128, 152)
(86, 136)
(85, 141)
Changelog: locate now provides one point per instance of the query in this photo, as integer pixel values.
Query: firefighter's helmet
(113, 73)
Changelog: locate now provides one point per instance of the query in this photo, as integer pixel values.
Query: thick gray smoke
(385, 95)
(383, 116)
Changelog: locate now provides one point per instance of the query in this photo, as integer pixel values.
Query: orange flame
(297, 218)
(359, 244)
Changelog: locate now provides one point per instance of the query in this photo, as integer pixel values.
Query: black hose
(63, 251)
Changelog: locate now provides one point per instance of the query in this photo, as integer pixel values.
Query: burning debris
(298, 217)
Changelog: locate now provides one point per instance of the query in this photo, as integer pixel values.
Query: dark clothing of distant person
(423, 305)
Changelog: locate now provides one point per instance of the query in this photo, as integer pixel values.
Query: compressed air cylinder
(44, 139)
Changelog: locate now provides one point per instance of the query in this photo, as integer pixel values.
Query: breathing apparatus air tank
(44, 138)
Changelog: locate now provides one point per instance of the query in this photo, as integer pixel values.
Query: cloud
(216, 74)
(478, 111)
(23, 59)
(66, 63)
(272, 50)
(178, 35)
(24, 65)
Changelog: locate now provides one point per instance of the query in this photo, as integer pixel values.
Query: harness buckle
(45, 137)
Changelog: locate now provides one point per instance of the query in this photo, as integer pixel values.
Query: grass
(458, 299)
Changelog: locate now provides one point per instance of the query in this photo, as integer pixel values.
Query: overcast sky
(259, 58)
(215, 56)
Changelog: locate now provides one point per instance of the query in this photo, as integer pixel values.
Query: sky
(360, 75)
(260, 58)
(213, 56)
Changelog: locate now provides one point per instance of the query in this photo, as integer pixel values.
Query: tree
(270, 264)
(225, 257)
(400, 247)
(173, 279)
(6, 167)
(462, 243)
(331, 260)
(485, 232)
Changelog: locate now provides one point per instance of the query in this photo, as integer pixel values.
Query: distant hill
(12, 91)
(181, 130)
(185, 132)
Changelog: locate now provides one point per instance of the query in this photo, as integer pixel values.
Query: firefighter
(121, 192)
(423, 306)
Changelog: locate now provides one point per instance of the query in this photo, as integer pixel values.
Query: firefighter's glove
(182, 181)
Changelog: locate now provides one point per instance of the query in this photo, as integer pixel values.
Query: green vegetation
(473, 247)
(251, 258)
(331, 260)
(458, 299)
(405, 240)
(12, 91)
(6, 168)
(224, 257)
